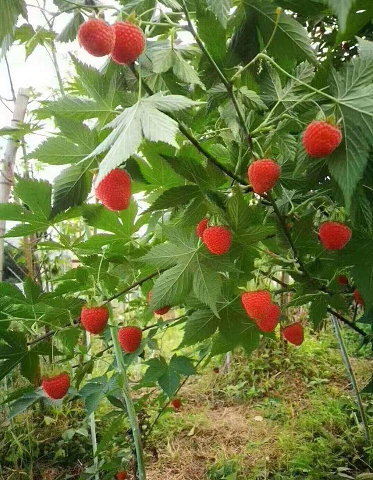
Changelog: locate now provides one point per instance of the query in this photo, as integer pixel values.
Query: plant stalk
(351, 375)
(128, 400)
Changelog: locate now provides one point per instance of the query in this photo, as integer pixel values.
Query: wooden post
(7, 166)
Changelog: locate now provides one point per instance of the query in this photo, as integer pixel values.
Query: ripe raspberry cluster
(124, 41)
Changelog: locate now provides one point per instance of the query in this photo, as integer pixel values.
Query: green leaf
(75, 108)
(110, 432)
(290, 40)
(353, 89)
(58, 151)
(10, 11)
(252, 99)
(201, 325)
(184, 70)
(144, 120)
(207, 285)
(169, 382)
(100, 217)
(172, 286)
(23, 403)
(156, 368)
(35, 194)
(72, 186)
(13, 212)
(182, 365)
(318, 309)
(175, 197)
(167, 254)
(368, 388)
(70, 31)
(221, 8)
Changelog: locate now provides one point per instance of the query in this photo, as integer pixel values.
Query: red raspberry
(56, 387)
(263, 175)
(122, 475)
(334, 235)
(160, 311)
(358, 298)
(256, 303)
(201, 227)
(320, 139)
(176, 404)
(114, 190)
(270, 318)
(94, 319)
(342, 280)
(294, 334)
(130, 338)
(97, 37)
(217, 239)
(129, 43)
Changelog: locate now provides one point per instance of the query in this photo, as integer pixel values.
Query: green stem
(351, 375)
(128, 400)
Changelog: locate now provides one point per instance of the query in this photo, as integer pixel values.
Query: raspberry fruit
(114, 190)
(263, 175)
(217, 239)
(342, 280)
(334, 235)
(130, 338)
(320, 139)
(94, 319)
(129, 43)
(201, 227)
(294, 334)
(358, 298)
(160, 311)
(256, 303)
(56, 387)
(122, 475)
(176, 404)
(97, 37)
(270, 318)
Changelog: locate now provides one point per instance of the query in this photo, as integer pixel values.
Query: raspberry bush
(214, 150)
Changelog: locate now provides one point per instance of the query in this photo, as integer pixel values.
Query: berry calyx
(122, 475)
(334, 235)
(160, 311)
(114, 191)
(176, 404)
(358, 298)
(97, 37)
(270, 318)
(201, 227)
(256, 303)
(342, 280)
(263, 175)
(56, 387)
(130, 338)
(320, 139)
(217, 239)
(129, 43)
(294, 334)
(94, 319)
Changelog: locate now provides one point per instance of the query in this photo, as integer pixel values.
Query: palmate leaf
(144, 120)
(174, 197)
(353, 91)
(172, 286)
(207, 284)
(70, 31)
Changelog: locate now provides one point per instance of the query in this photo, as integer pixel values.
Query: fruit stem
(128, 400)
(351, 375)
